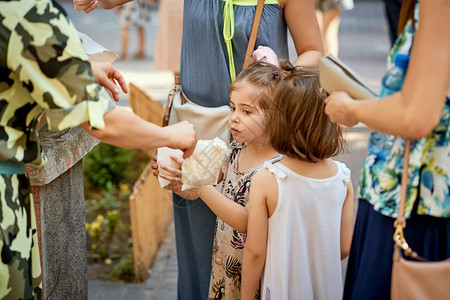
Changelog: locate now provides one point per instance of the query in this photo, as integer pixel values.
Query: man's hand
(182, 136)
(107, 76)
(85, 5)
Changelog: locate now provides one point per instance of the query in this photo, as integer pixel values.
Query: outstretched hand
(107, 76)
(85, 5)
(182, 136)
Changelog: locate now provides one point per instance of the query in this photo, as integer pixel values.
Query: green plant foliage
(101, 233)
(109, 175)
(108, 199)
(124, 269)
(113, 217)
(107, 164)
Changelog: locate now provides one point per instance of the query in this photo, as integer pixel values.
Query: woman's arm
(89, 5)
(417, 109)
(256, 245)
(125, 129)
(302, 23)
(347, 222)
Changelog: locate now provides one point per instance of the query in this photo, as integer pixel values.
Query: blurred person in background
(133, 14)
(328, 13)
(170, 29)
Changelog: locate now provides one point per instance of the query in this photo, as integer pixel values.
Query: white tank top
(303, 258)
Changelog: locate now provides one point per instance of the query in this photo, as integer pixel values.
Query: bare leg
(331, 19)
(125, 36)
(319, 16)
(141, 47)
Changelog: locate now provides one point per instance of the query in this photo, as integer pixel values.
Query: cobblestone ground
(364, 45)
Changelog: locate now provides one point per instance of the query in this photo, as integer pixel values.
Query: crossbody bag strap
(253, 33)
(400, 222)
(169, 103)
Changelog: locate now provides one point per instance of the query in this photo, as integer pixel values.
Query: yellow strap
(228, 27)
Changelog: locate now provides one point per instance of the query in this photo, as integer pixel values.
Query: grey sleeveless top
(204, 74)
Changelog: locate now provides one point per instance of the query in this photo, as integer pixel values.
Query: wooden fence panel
(150, 206)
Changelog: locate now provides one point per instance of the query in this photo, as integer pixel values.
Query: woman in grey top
(205, 77)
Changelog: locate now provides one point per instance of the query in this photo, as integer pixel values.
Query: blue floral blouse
(429, 165)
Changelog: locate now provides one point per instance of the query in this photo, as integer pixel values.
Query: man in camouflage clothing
(41, 59)
(43, 68)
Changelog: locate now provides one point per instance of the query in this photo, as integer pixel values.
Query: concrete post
(58, 191)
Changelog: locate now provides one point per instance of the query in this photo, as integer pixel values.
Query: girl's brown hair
(263, 78)
(299, 127)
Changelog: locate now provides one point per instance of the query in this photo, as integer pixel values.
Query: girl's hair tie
(295, 68)
(275, 74)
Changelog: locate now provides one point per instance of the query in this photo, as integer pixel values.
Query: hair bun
(286, 65)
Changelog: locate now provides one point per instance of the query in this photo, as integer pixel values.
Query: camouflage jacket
(42, 68)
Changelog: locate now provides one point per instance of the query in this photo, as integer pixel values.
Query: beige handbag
(209, 122)
(335, 75)
(417, 278)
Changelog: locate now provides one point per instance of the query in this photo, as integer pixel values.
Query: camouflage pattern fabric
(42, 68)
(20, 270)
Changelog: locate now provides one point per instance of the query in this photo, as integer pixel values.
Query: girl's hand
(266, 54)
(155, 167)
(338, 107)
(172, 173)
(85, 5)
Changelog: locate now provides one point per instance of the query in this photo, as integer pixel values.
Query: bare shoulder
(263, 182)
(265, 189)
(263, 177)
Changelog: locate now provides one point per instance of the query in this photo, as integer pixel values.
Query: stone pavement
(364, 45)
(161, 284)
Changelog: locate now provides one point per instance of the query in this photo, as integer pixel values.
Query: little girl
(250, 96)
(300, 218)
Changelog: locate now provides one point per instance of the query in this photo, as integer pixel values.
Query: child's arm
(229, 211)
(256, 244)
(347, 222)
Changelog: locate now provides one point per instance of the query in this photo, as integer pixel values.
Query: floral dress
(429, 164)
(134, 14)
(228, 249)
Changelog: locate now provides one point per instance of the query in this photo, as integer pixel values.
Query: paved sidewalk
(364, 45)
(161, 284)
